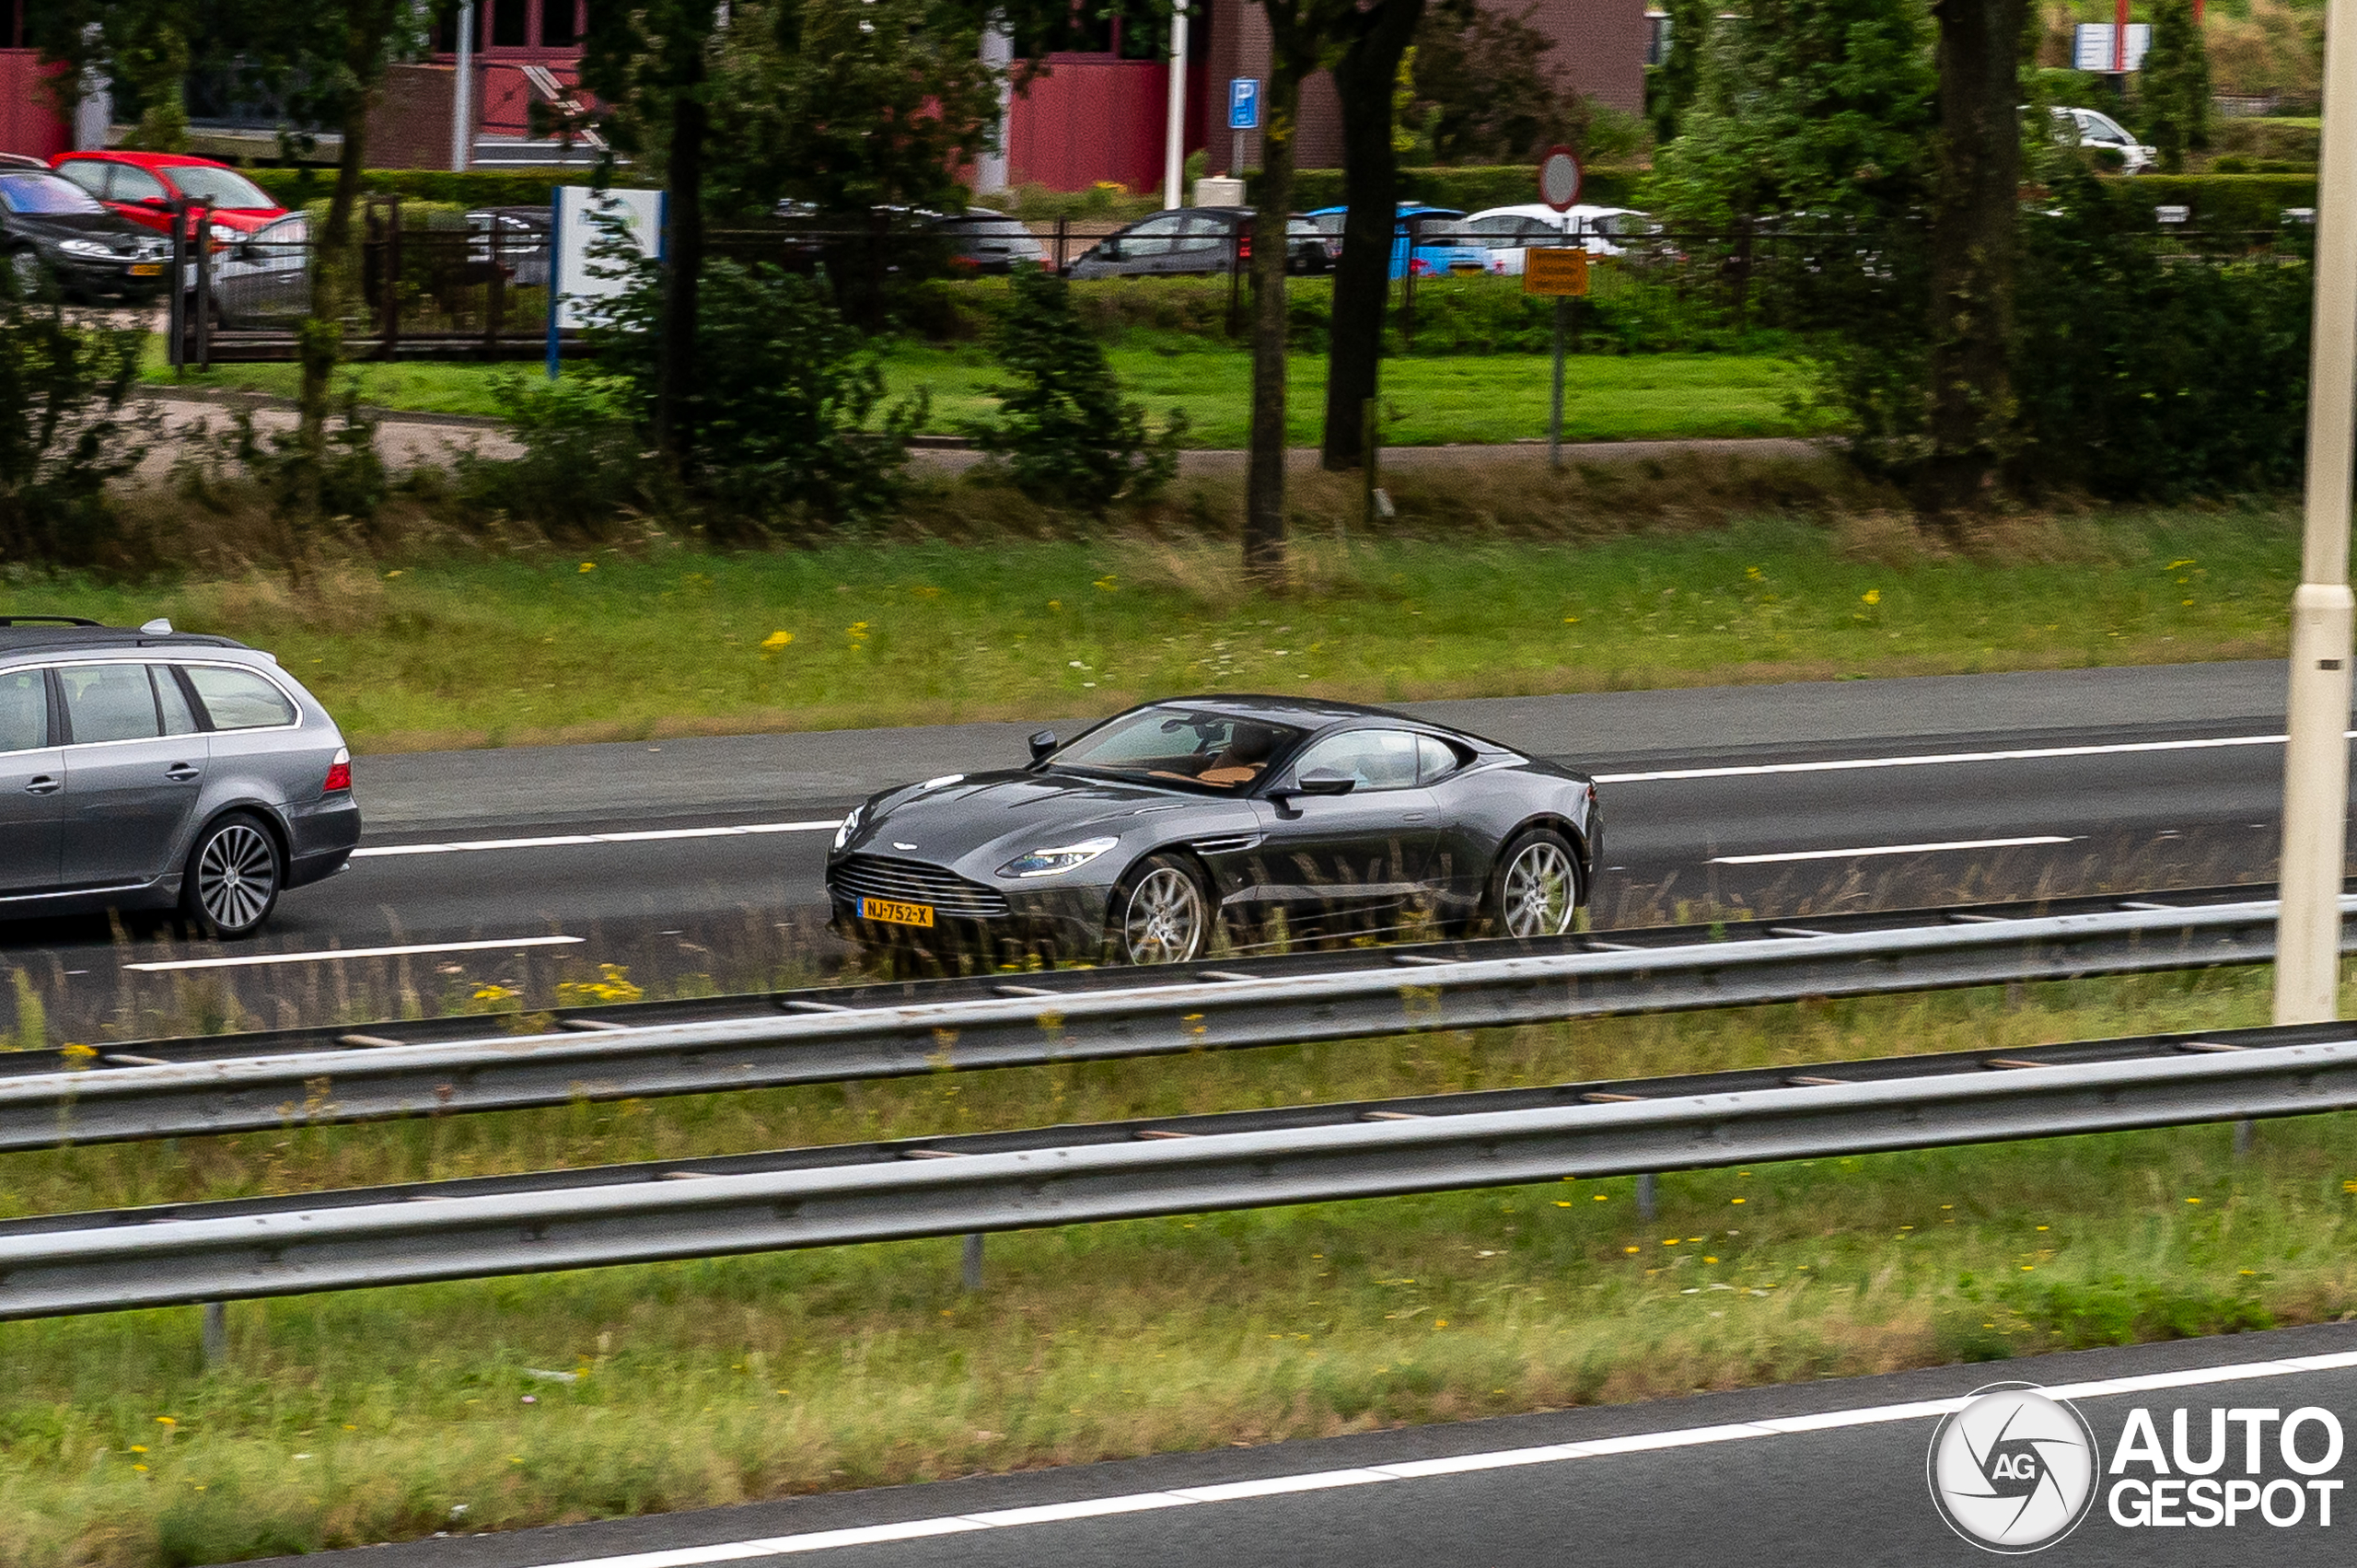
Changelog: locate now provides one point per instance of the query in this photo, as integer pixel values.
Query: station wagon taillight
(339, 773)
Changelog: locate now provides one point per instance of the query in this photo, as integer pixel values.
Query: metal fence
(476, 285)
(181, 1087)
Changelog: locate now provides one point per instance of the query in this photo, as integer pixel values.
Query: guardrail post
(217, 1332)
(973, 1262)
(1648, 1197)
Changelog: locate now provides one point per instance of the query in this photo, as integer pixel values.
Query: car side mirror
(1110, 249)
(1044, 745)
(1325, 781)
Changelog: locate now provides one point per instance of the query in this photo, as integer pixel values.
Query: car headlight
(1056, 862)
(224, 234)
(87, 248)
(849, 825)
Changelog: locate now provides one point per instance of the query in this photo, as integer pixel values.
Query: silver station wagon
(153, 769)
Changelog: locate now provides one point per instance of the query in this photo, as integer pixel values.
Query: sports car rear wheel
(1161, 914)
(1536, 889)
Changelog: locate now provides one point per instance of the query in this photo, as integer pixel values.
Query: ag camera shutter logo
(2015, 1471)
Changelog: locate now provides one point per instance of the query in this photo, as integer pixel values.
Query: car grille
(879, 877)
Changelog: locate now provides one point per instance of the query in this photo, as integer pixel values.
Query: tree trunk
(1264, 490)
(1972, 245)
(1364, 80)
(682, 266)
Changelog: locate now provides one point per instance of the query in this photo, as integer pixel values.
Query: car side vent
(1222, 846)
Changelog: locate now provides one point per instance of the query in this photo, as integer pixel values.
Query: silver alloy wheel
(237, 877)
(1165, 919)
(1541, 892)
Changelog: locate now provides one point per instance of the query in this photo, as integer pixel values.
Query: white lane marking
(567, 840)
(1947, 759)
(1885, 849)
(334, 954)
(1418, 1470)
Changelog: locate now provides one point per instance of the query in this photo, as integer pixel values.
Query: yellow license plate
(894, 913)
(147, 269)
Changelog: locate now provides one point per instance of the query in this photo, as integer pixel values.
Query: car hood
(105, 227)
(996, 817)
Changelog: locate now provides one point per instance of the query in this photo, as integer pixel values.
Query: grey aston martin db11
(1139, 839)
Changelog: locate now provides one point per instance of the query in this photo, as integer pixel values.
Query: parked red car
(143, 187)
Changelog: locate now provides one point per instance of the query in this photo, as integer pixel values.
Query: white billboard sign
(584, 218)
(2093, 47)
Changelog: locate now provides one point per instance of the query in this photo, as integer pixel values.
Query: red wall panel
(29, 119)
(1089, 118)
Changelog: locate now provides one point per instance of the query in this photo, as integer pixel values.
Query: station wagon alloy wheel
(236, 878)
(1541, 890)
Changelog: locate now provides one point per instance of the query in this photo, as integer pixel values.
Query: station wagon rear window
(238, 698)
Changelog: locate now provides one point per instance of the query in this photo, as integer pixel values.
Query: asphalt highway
(704, 856)
(1801, 1473)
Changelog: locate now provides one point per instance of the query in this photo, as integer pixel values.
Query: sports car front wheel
(1160, 915)
(1536, 888)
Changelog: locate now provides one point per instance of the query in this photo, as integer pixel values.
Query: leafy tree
(850, 104)
(1485, 90)
(1670, 86)
(1368, 84)
(2174, 87)
(1068, 435)
(68, 429)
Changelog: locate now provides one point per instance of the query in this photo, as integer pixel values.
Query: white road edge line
(565, 840)
(1947, 759)
(1885, 849)
(334, 954)
(1417, 1469)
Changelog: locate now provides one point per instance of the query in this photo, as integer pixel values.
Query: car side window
(172, 702)
(1378, 758)
(1153, 237)
(1436, 758)
(238, 698)
(88, 173)
(108, 702)
(134, 184)
(24, 711)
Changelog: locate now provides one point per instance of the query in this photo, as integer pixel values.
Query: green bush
(582, 467)
(1064, 432)
(788, 414)
(2290, 140)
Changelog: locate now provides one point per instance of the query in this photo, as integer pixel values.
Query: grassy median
(349, 1419)
(1489, 585)
(1472, 398)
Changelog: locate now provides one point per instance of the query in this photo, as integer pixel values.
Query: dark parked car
(1137, 839)
(264, 280)
(1199, 240)
(515, 238)
(151, 769)
(52, 227)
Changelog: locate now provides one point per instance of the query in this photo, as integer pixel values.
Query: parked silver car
(151, 769)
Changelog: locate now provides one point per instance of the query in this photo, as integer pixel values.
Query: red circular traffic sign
(1559, 178)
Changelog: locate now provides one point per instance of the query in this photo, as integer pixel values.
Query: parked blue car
(1426, 240)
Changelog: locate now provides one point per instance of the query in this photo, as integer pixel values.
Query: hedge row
(2218, 201)
(476, 188)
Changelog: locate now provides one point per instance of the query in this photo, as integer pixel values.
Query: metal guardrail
(545, 1221)
(800, 1039)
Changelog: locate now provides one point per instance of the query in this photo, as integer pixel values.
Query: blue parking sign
(1244, 104)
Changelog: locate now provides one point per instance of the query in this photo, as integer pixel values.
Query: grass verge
(658, 639)
(348, 1419)
(1474, 399)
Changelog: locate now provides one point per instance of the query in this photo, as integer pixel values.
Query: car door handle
(1411, 815)
(181, 772)
(44, 784)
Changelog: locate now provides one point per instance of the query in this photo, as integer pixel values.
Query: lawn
(1429, 401)
(348, 1419)
(633, 643)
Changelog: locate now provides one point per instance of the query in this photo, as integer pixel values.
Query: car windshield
(31, 192)
(1182, 746)
(2100, 127)
(226, 189)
